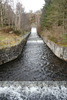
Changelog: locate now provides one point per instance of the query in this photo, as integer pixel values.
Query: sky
(33, 5)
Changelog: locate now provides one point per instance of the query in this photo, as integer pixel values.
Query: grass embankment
(56, 35)
(53, 21)
(9, 37)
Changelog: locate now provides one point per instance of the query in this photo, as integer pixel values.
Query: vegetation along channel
(36, 62)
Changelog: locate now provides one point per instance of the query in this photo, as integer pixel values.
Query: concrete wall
(59, 51)
(11, 53)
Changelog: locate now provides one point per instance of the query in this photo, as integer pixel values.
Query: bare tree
(16, 18)
(1, 13)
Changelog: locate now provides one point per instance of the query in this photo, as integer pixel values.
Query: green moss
(62, 45)
(52, 38)
(64, 37)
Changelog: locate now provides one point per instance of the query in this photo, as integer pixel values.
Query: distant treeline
(54, 13)
(12, 16)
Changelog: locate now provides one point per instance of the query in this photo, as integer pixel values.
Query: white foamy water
(36, 41)
(33, 91)
(10, 93)
(33, 30)
(34, 38)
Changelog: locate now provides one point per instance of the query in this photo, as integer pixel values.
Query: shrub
(17, 32)
(52, 38)
(7, 30)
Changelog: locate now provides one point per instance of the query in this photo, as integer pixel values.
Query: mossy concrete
(59, 51)
(10, 53)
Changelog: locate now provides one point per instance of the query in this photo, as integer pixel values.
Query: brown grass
(7, 39)
(56, 34)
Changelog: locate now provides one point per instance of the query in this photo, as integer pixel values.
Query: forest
(53, 22)
(14, 21)
(11, 16)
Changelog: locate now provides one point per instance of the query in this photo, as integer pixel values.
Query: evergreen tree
(54, 12)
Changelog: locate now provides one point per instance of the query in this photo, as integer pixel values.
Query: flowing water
(33, 90)
(36, 63)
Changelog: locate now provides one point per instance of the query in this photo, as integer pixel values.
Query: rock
(11, 32)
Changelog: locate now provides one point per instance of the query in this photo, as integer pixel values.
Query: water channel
(36, 63)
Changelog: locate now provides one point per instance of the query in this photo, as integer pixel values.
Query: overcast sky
(33, 5)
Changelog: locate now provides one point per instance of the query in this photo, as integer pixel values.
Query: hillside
(53, 21)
